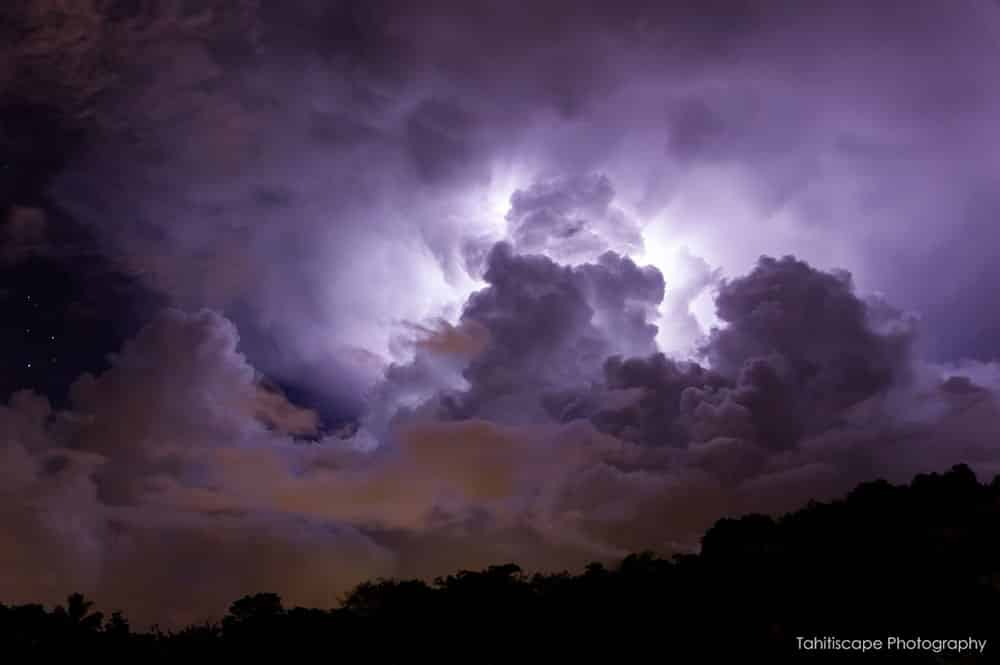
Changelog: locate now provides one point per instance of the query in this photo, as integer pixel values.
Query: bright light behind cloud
(675, 256)
(438, 290)
(478, 220)
(486, 206)
(703, 309)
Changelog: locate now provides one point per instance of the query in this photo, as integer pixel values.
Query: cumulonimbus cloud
(325, 179)
(180, 457)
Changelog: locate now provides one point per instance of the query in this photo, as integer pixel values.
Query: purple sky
(405, 211)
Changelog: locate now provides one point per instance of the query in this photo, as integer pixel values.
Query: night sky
(299, 294)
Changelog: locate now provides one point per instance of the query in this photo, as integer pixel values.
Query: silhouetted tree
(918, 559)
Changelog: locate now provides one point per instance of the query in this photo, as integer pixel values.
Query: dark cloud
(625, 299)
(177, 456)
(299, 138)
(694, 127)
(332, 180)
(803, 347)
(539, 323)
(438, 140)
(550, 326)
(659, 385)
(796, 350)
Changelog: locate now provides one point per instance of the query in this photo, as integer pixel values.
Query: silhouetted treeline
(921, 560)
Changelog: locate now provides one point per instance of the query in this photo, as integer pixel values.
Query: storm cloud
(181, 455)
(456, 284)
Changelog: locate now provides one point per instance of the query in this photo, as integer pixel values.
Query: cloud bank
(178, 479)
(490, 246)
